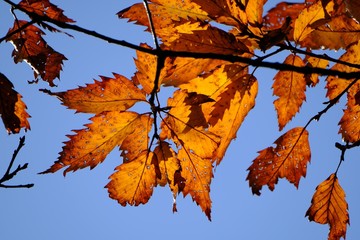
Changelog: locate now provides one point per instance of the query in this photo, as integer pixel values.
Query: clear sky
(78, 207)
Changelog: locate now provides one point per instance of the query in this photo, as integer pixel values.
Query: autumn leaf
(186, 125)
(33, 49)
(313, 79)
(290, 88)
(110, 94)
(288, 160)
(164, 14)
(328, 205)
(336, 85)
(89, 146)
(308, 20)
(197, 173)
(134, 181)
(12, 108)
(353, 6)
(44, 8)
(350, 121)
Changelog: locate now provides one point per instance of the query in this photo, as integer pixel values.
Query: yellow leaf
(290, 88)
(110, 94)
(328, 205)
(89, 146)
(287, 160)
(133, 182)
(254, 12)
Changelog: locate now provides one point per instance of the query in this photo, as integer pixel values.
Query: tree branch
(197, 55)
(10, 174)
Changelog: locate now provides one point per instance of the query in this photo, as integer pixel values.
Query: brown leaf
(205, 40)
(12, 108)
(290, 88)
(287, 160)
(32, 48)
(44, 8)
(110, 94)
(328, 205)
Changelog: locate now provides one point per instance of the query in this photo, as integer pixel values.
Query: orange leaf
(254, 12)
(44, 8)
(313, 79)
(350, 121)
(210, 39)
(336, 85)
(111, 94)
(186, 124)
(32, 48)
(328, 205)
(338, 32)
(234, 99)
(287, 160)
(133, 182)
(146, 65)
(197, 174)
(224, 11)
(307, 19)
(12, 108)
(164, 13)
(91, 145)
(290, 88)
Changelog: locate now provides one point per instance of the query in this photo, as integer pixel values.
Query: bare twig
(10, 174)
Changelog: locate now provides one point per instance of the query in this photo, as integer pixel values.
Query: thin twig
(10, 174)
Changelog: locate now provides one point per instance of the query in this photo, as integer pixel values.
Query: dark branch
(10, 174)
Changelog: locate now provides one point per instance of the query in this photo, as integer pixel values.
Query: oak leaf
(32, 48)
(290, 88)
(12, 108)
(288, 160)
(328, 205)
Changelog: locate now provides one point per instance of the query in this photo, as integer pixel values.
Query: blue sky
(78, 207)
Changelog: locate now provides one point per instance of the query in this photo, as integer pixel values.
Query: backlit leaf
(350, 121)
(197, 173)
(89, 146)
(313, 79)
(133, 182)
(110, 94)
(288, 160)
(307, 19)
(290, 88)
(336, 85)
(188, 125)
(44, 8)
(328, 205)
(32, 48)
(12, 108)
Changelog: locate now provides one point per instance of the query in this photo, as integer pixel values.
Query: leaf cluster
(213, 72)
